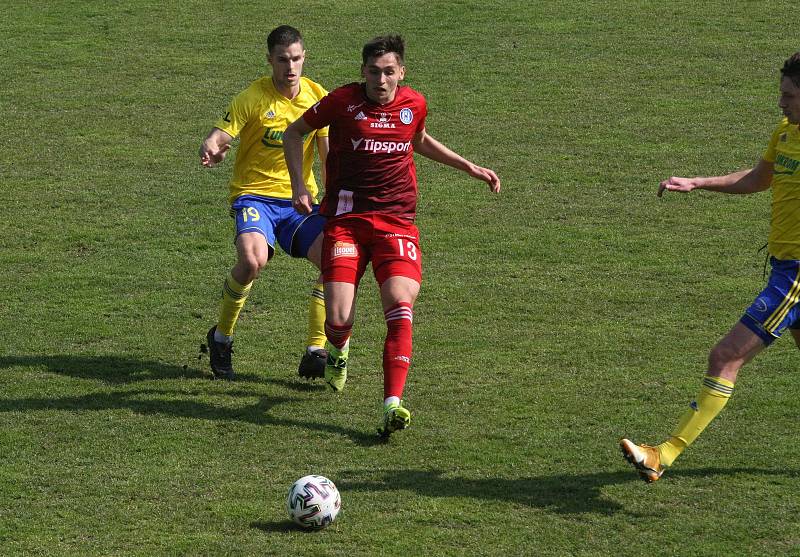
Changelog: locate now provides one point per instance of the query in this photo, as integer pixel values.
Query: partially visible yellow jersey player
(777, 306)
(261, 194)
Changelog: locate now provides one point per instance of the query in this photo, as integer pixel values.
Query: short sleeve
(236, 116)
(322, 114)
(770, 153)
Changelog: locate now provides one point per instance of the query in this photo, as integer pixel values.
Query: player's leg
(763, 322)
(737, 348)
(301, 236)
(795, 330)
(254, 241)
(344, 260)
(339, 315)
(397, 262)
(398, 295)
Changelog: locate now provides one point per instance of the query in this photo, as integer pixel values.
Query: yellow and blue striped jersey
(784, 154)
(259, 115)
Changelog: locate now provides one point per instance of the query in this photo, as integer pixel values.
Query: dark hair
(791, 68)
(283, 36)
(384, 45)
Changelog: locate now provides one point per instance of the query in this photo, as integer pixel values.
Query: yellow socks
(714, 394)
(234, 296)
(316, 317)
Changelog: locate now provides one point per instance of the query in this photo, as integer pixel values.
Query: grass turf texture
(572, 309)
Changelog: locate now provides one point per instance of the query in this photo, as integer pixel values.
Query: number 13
(409, 249)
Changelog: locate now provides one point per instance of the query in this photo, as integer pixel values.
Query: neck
(287, 91)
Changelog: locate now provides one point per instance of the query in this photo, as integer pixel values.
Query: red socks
(397, 348)
(337, 334)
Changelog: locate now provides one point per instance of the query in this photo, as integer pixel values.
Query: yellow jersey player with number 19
(260, 193)
(775, 309)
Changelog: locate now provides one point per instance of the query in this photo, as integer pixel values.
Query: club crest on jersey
(383, 121)
(406, 116)
(343, 249)
(270, 114)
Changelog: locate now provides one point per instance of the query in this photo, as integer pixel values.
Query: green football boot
(395, 418)
(336, 366)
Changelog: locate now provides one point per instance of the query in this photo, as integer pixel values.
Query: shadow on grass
(282, 527)
(558, 493)
(109, 369)
(151, 400)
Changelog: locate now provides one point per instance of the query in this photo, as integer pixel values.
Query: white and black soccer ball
(313, 502)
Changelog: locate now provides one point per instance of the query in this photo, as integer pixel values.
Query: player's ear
(363, 71)
(402, 73)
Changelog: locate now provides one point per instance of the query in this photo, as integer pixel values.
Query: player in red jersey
(370, 201)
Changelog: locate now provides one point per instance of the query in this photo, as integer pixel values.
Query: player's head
(286, 54)
(382, 67)
(284, 35)
(789, 101)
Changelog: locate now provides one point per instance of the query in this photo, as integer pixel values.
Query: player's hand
(211, 156)
(487, 175)
(675, 183)
(302, 201)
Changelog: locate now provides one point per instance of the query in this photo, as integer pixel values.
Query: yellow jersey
(784, 154)
(259, 115)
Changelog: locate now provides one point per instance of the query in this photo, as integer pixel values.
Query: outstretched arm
(428, 147)
(214, 147)
(753, 180)
(293, 153)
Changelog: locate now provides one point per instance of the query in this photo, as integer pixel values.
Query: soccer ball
(313, 502)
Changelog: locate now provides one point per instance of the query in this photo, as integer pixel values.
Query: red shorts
(352, 241)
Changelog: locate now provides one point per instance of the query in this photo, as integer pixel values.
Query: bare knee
(248, 268)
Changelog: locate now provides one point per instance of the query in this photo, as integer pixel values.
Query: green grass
(572, 309)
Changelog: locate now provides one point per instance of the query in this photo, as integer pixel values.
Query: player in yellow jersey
(775, 308)
(261, 194)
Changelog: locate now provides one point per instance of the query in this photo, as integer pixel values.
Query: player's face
(789, 101)
(287, 65)
(382, 75)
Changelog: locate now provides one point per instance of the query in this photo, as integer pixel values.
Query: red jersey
(370, 164)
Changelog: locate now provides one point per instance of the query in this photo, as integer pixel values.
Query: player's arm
(428, 147)
(753, 180)
(293, 153)
(214, 147)
(322, 152)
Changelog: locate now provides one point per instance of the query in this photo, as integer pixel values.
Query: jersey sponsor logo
(788, 163)
(383, 121)
(360, 116)
(273, 138)
(227, 117)
(374, 146)
(344, 249)
(406, 116)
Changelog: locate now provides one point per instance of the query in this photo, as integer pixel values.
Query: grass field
(570, 310)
